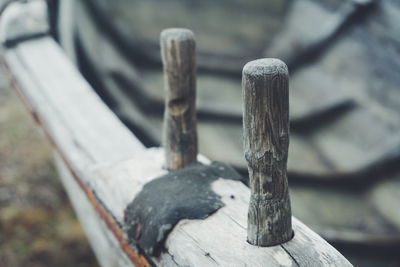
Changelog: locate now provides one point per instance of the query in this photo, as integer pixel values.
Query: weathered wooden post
(179, 133)
(266, 142)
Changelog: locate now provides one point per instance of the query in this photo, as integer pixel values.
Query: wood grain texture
(77, 122)
(179, 133)
(266, 143)
(218, 240)
(103, 243)
(115, 166)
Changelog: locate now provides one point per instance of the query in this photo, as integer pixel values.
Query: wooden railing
(104, 167)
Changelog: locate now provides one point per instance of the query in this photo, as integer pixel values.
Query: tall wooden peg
(179, 134)
(266, 141)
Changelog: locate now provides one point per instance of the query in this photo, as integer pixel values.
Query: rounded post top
(265, 66)
(177, 34)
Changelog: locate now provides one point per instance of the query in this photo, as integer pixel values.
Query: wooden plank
(222, 235)
(74, 106)
(114, 165)
(104, 244)
(60, 107)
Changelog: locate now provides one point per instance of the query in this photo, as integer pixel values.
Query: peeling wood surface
(114, 165)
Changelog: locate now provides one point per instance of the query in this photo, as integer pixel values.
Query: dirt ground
(37, 224)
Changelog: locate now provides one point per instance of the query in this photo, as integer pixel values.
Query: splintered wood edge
(110, 166)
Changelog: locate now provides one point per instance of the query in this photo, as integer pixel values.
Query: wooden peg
(179, 62)
(266, 142)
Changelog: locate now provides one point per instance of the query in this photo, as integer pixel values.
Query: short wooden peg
(179, 62)
(266, 141)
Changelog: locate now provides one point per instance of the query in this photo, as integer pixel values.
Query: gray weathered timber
(103, 242)
(218, 240)
(266, 142)
(324, 83)
(111, 163)
(69, 111)
(179, 134)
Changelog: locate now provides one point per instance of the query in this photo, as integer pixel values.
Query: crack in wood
(290, 255)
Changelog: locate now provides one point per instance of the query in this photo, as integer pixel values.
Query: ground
(37, 224)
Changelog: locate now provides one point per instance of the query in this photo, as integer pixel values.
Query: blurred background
(344, 60)
(37, 224)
